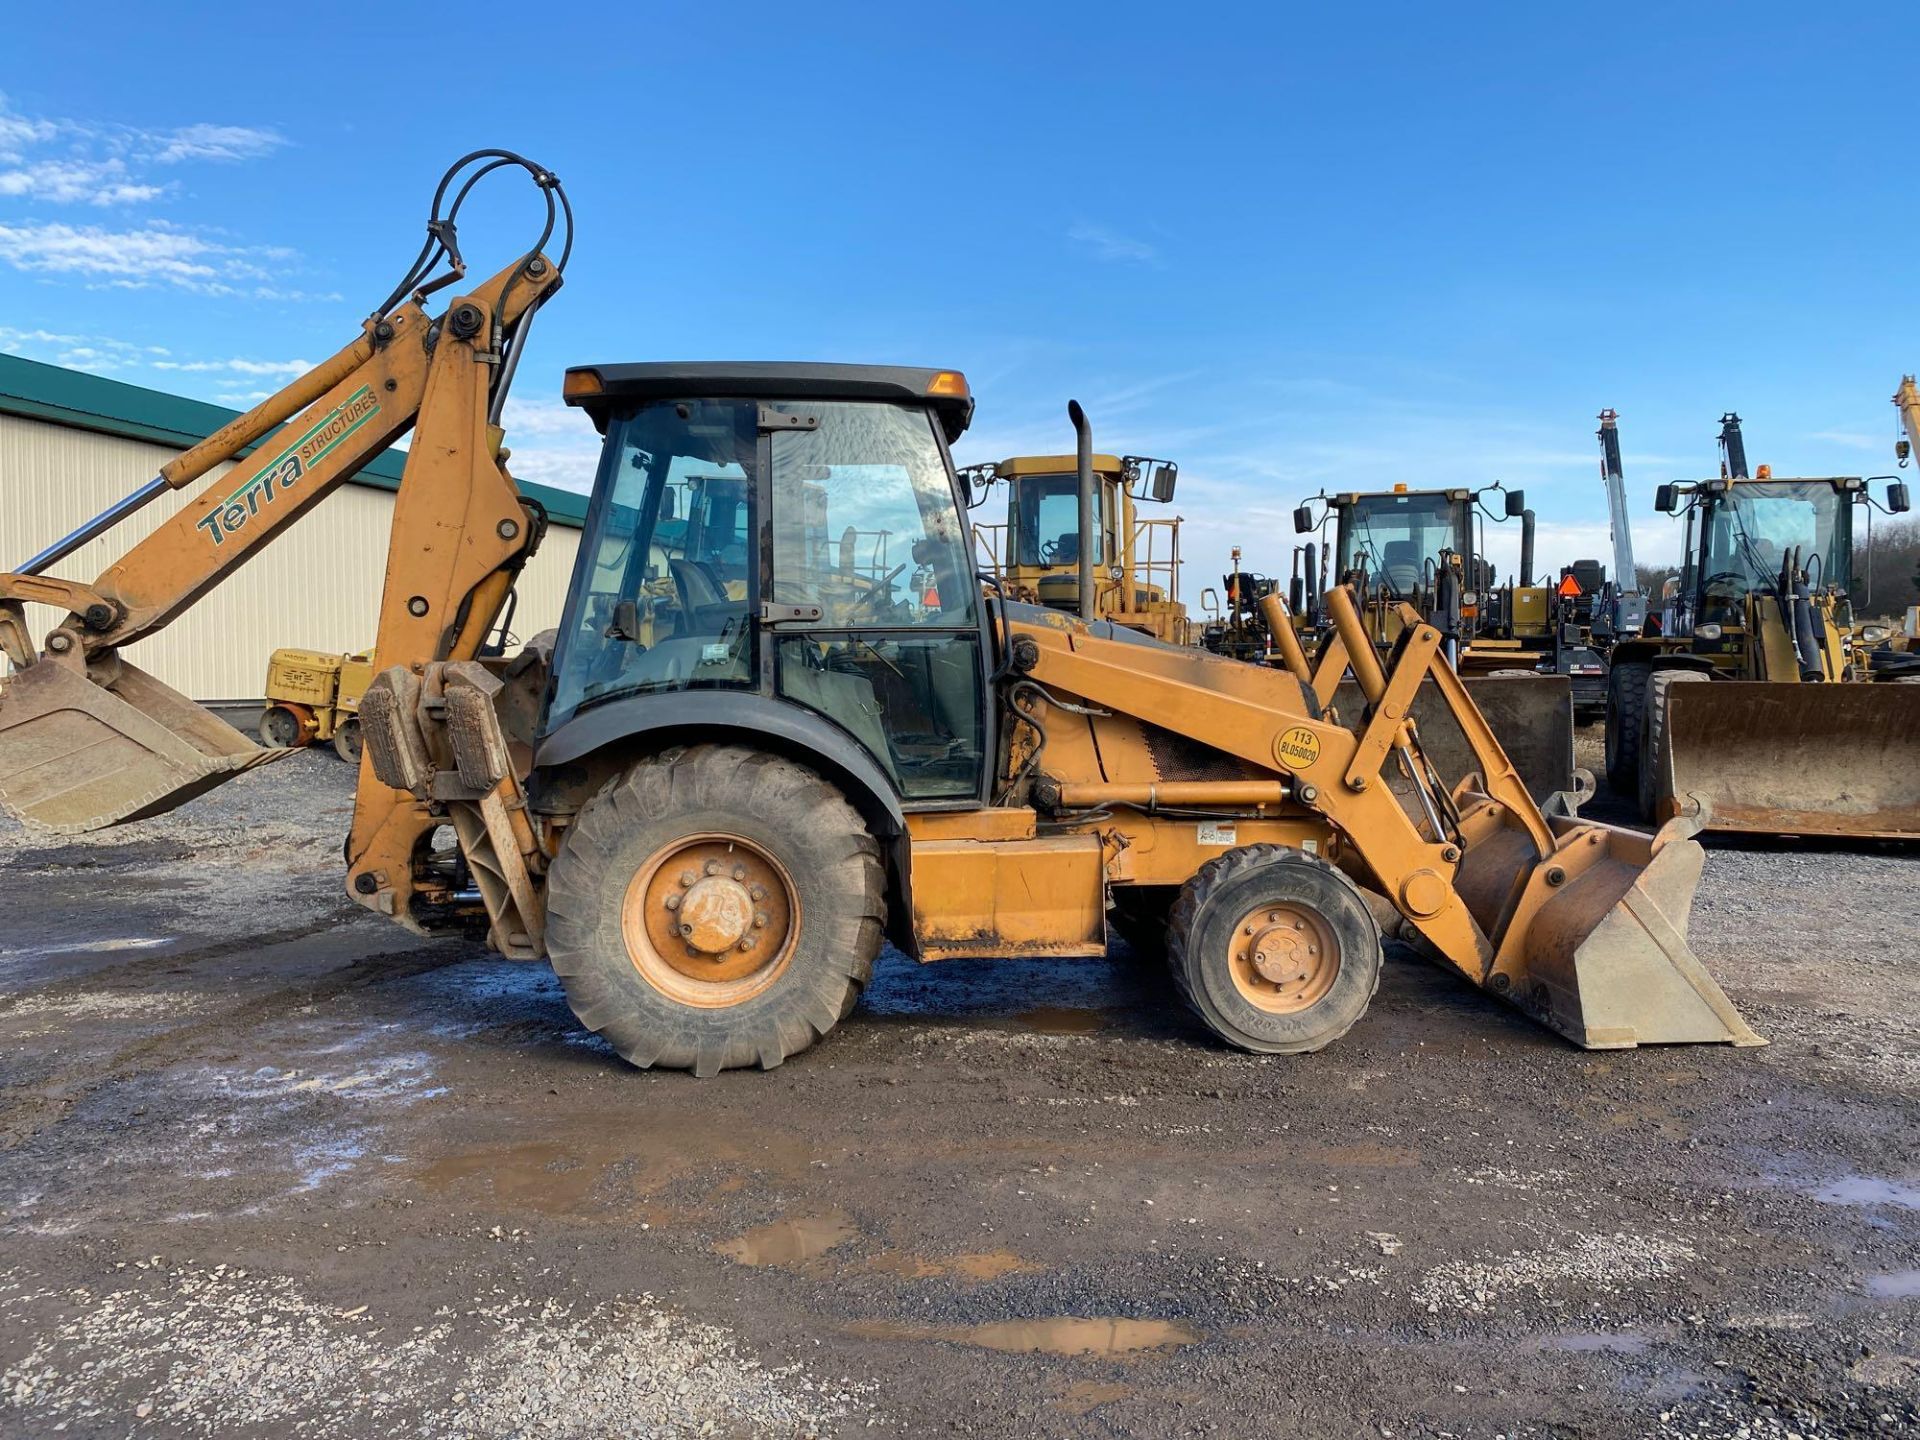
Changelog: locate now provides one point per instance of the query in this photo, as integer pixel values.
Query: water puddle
(545, 1176)
(988, 1265)
(1062, 1020)
(1894, 1285)
(1864, 1190)
(1064, 1335)
(788, 1242)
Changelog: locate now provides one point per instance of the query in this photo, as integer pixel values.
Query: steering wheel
(1739, 578)
(882, 591)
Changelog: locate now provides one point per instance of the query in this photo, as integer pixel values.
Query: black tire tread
(809, 1000)
(1207, 881)
(1626, 708)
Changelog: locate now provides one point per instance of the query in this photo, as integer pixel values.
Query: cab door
(873, 615)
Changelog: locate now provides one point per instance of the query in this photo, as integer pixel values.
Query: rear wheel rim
(1283, 958)
(710, 920)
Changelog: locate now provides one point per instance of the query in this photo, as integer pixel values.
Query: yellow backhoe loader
(708, 833)
(1035, 553)
(1751, 708)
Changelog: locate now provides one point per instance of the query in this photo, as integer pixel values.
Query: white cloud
(70, 182)
(552, 444)
(1852, 439)
(237, 367)
(1109, 244)
(215, 142)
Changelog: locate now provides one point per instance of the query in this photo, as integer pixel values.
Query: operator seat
(1400, 565)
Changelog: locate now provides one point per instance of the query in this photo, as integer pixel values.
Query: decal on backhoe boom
(284, 472)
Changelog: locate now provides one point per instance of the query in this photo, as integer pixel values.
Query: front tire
(1274, 949)
(1626, 705)
(715, 907)
(1656, 747)
(346, 740)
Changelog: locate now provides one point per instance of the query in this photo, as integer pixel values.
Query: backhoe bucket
(1602, 955)
(1792, 759)
(79, 753)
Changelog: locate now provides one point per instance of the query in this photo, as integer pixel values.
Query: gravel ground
(270, 1166)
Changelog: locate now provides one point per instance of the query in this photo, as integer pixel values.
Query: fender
(694, 716)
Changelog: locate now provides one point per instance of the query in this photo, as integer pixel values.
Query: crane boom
(1619, 527)
(1907, 397)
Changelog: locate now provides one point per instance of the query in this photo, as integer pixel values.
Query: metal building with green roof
(72, 443)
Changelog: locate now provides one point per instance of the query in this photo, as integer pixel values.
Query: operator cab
(791, 532)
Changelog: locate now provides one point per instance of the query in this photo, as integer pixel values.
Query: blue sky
(1287, 247)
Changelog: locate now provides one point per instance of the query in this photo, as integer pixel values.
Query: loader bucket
(1602, 956)
(78, 753)
(1792, 759)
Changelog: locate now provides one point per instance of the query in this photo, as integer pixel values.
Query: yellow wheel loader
(313, 697)
(1751, 708)
(1035, 553)
(710, 831)
(1423, 552)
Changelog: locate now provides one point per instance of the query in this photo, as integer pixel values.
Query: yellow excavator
(709, 832)
(1748, 706)
(1034, 553)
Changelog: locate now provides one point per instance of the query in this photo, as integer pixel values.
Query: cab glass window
(662, 585)
(1046, 520)
(864, 520)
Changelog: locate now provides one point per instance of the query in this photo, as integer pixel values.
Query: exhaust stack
(1083, 438)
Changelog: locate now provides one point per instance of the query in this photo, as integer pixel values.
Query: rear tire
(1626, 705)
(1139, 917)
(1655, 789)
(1274, 949)
(346, 740)
(642, 906)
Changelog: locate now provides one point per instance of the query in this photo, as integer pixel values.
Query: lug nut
(672, 902)
(756, 893)
(687, 877)
(713, 867)
(759, 919)
(746, 942)
(739, 872)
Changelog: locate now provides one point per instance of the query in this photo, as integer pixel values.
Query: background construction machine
(709, 833)
(1035, 552)
(314, 697)
(1793, 735)
(1422, 552)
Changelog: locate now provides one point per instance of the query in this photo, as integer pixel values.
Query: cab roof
(597, 388)
(1019, 465)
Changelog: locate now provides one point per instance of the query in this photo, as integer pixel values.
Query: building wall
(317, 586)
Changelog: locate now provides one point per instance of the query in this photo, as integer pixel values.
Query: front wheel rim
(710, 920)
(1283, 958)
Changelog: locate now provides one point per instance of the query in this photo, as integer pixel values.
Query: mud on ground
(270, 1166)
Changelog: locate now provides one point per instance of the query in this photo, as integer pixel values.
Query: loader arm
(87, 739)
(1578, 924)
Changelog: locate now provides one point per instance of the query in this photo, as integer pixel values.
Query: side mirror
(669, 504)
(1302, 519)
(1161, 485)
(1898, 501)
(1663, 499)
(1516, 504)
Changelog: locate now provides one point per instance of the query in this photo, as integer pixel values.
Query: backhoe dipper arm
(401, 373)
